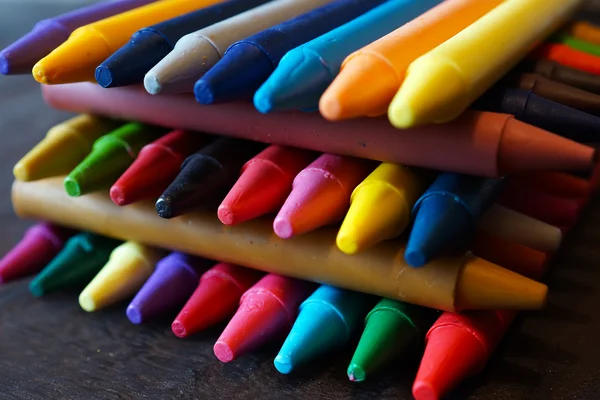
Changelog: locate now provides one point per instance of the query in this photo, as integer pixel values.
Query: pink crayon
(268, 309)
(40, 244)
(320, 194)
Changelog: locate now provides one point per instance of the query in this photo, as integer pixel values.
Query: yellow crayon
(88, 46)
(64, 146)
(381, 206)
(129, 266)
(442, 83)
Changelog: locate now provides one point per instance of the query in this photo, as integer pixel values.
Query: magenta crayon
(40, 244)
(267, 311)
(320, 194)
(264, 183)
(216, 298)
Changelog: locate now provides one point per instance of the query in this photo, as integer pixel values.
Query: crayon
(64, 146)
(477, 143)
(264, 184)
(320, 194)
(266, 311)
(171, 284)
(48, 34)
(109, 158)
(568, 56)
(155, 167)
(370, 77)
(248, 63)
(380, 206)
(459, 283)
(326, 320)
(577, 44)
(528, 107)
(556, 183)
(39, 245)
(216, 298)
(560, 73)
(392, 328)
(441, 84)
(584, 30)
(149, 45)
(305, 72)
(128, 267)
(88, 46)
(205, 176)
(82, 256)
(197, 52)
(445, 216)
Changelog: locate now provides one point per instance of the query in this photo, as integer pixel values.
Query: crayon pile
(430, 226)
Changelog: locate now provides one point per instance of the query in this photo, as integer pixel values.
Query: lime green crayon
(111, 155)
(576, 43)
(391, 328)
(78, 262)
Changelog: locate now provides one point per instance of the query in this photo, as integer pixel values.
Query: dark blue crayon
(247, 64)
(148, 46)
(555, 117)
(445, 216)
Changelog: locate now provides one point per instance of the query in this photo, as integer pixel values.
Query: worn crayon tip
(223, 351)
(283, 228)
(86, 301)
(179, 329)
(135, 314)
(117, 195)
(4, 65)
(263, 104)
(72, 187)
(163, 208)
(104, 76)
(204, 92)
(39, 74)
(356, 373)
(152, 85)
(36, 288)
(284, 363)
(226, 214)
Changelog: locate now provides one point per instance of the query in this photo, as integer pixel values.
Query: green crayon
(111, 155)
(391, 328)
(78, 262)
(577, 44)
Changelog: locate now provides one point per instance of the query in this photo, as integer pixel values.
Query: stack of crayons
(431, 226)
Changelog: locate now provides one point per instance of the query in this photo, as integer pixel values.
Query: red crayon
(264, 183)
(216, 297)
(567, 56)
(267, 310)
(555, 183)
(156, 167)
(40, 244)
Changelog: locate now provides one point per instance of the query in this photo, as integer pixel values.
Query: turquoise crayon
(327, 320)
(306, 71)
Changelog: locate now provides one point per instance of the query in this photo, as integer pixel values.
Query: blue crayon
(327, 320)
(149, 45)
(248, 63)
(305, 72)
(445, 216)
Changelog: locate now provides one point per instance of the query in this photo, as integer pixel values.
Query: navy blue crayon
(445, 216)
(555, 117)
(148, 46)
(247, 64)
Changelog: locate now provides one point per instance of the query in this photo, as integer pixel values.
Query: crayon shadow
(557, 313)
(523, 345)
(565, 285)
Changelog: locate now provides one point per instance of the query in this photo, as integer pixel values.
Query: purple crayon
(174, 280)
(48, 34)
(40, 244)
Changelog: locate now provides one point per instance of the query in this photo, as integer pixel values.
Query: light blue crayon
(327, 320)
(305, 72)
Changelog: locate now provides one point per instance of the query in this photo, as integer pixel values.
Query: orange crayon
(584, 30)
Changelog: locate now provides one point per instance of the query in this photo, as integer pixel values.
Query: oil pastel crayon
(216, 298)
(477, 143)
(568, 56)
(88, 46)
(577, 44)
(305, 72)
(155, 167)
(128, 267)
(205, 176)
(111, 155)
(380, 206)
(173, 281)
(264, 183)
(370, 77)
(248, 63)
(528, 107)
(560, 73)
(64, 146)
(441, 84)
(584, 30)
(449, 284)
(197, 52)
(326, 320)
(556, 183)
(48, 34)
(445, 216)
(320, 194)
(39, 245)
(82, 256)
(149, 45)
(266, 311)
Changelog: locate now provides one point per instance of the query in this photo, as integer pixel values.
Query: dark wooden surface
(51, 349)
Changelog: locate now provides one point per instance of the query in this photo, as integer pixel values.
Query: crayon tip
(104, 76)
(4, 65)
(163, 208)
(134, 313)
(36, 287)
(152, 84)
(356, 373)
(118, 195)
(72, 186)
(179, 329)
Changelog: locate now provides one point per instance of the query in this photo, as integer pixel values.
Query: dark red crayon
(555, 183)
